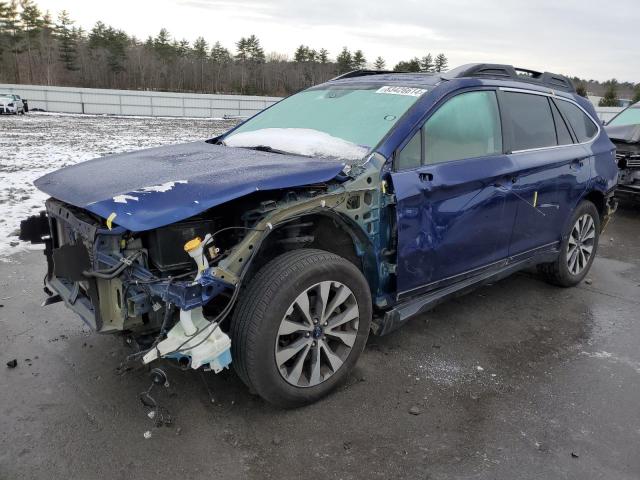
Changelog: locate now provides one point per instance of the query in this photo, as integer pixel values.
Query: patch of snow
(163, 187)
(124, 198)
(302, 141)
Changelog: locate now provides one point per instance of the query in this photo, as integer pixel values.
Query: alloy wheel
(317, 334)
(581, 244)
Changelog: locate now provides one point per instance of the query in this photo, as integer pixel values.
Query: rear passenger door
(553, 169)
(454, 215)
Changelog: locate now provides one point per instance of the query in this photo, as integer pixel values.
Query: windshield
(630, 116)
(339, 121)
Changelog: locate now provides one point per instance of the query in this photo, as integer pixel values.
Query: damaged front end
(626, 138)
(119, 281)
(628, 157)
(173, 287)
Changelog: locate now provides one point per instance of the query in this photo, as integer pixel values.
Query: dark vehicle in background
(347, 208)
(624, 132)
(12, 103)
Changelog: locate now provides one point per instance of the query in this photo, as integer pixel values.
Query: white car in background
(11, 103)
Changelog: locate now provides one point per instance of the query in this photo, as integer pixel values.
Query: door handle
(425, 176)
(505, 180)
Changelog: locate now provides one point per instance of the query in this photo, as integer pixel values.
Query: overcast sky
(576, 37)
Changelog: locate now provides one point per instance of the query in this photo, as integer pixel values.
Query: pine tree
(219, 54)
(312, 55)
(412, 65)
(344, 61)
(221, 57)
(426, 63)
(256, 53)
(115, 42)
(163, 46)
(441, 63)
(249, 49)
(11, 34)
(581, 89)
(323, 56)
(32, 26)
(68, 41)
(241, 49)
(379, 63)
(46, 47)
(200, 52)
(301, 53)
(610, 98)
(200, 48)
(359, 62)
(181, 48)
(636, 93)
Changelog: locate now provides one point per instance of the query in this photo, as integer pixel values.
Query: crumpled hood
(624, 133)
(151, 188)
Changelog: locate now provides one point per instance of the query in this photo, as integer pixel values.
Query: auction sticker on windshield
(412, 92)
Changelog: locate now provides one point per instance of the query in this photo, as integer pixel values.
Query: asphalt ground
(519, 379)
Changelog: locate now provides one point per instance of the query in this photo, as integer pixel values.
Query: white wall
(134, 102)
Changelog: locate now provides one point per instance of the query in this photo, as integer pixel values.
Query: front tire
(300, 326)
(578, 248)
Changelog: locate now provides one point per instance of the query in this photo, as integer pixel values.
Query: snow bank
(303, 141)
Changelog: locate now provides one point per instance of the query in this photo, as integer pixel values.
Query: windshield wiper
(267, 148)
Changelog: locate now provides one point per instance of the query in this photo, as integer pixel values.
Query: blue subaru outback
(347, 208)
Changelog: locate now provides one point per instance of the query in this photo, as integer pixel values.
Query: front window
(630, 116)
(467, 126)
(338, 121)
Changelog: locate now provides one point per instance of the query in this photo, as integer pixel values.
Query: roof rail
(362, 73)
(509, 72)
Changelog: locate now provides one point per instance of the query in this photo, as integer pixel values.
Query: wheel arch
(329, 231)
(593, 195)
(598, 199)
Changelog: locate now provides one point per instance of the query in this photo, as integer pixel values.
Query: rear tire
(308, 301)
(578, 248)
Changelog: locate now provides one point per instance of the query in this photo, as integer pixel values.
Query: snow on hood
(303, 141)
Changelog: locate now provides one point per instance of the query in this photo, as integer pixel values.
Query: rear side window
(466, 126)
(583, 126)
(531, 121)
(564, 137)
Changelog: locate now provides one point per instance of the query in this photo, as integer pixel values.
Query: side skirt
(396, 317)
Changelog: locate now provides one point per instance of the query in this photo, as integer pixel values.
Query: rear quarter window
(583, 127)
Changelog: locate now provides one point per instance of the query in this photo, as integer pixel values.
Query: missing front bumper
(78, 250)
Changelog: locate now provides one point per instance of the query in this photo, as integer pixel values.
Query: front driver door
(452, 184)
